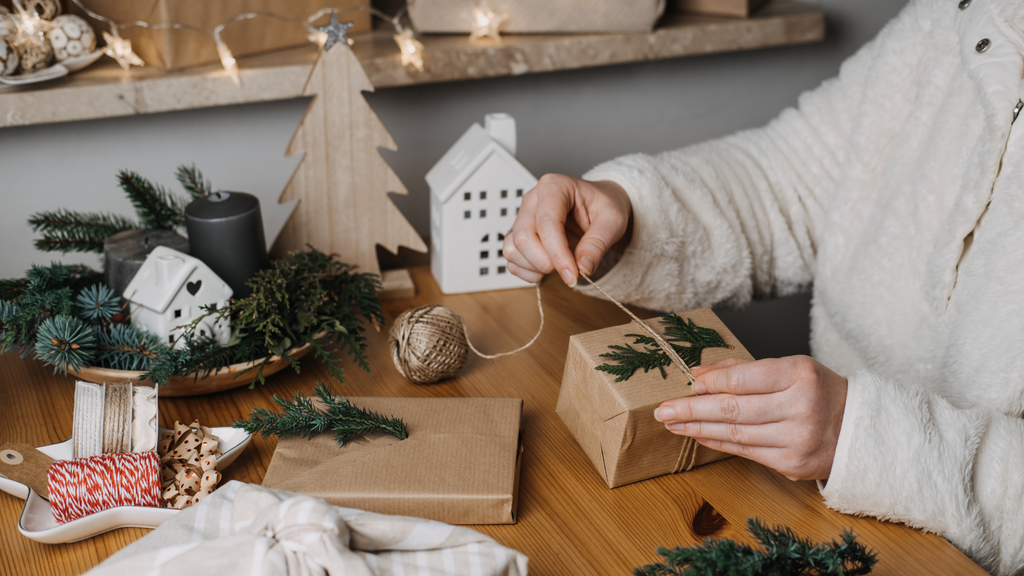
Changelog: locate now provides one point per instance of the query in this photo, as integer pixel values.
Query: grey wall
(567, 122)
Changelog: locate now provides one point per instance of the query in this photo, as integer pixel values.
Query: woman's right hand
(544, 238)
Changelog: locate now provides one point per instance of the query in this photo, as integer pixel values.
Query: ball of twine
(429, 344)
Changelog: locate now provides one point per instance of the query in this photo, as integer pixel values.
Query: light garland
(411, 50)
(486, 23)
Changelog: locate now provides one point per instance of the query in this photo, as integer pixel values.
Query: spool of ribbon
(86, 486)
(188, 458)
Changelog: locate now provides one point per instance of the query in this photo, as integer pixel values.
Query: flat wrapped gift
(613, 422)
(172, 49)
(459, 465)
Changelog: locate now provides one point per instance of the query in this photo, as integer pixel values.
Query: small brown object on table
(569, 522)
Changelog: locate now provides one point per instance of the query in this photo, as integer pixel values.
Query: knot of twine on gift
(688, 452)
(431, 343)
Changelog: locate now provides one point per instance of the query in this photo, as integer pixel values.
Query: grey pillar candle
(225, 230)
(124, 253)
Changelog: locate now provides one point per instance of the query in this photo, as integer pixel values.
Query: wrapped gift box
(459, 465)
(736, 8)
(540, 16)
(173, 48)
(614, 421)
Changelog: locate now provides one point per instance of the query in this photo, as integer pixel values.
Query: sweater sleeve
(721, 221)
(908, 455)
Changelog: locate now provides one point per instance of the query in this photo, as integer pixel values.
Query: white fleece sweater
(898, 189)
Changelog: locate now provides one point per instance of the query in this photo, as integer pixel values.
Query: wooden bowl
(226, 378)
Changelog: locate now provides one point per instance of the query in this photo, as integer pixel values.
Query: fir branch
(302, 418)
(125, 347)
(629, 360)
(192, 181)
(67, 231)
(65, 342)
(98, 304)
(783, 553)
(156, 207)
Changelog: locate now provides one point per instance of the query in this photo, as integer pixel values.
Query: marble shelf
(104, 90)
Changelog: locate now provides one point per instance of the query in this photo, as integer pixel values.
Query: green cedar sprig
(651, 356)
(302, 418)
(782, 553)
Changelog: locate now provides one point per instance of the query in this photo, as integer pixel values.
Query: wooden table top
(570, 522)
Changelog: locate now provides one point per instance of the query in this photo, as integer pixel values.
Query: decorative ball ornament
(428, 344)
(8, 28)
(34, 55)
(8, 59)
(46, 9)
(71, 36)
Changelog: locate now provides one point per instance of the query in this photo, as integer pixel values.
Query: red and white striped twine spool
(88, 485)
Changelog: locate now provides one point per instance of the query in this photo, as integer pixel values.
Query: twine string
(117, 419)
(540, 308)
(88, 485)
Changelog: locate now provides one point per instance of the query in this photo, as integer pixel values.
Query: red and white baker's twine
(88, 485)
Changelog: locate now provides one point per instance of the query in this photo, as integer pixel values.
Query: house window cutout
(202, 332)
(466, 214)
(170, 339)
(517, 209)
(483, 195)
(519, 193)
(484, 254)
(504, 193)
(483, 213)
(501, 237)
(486, 238)
(501, 269)
(501, 253)
(213, 307)
(483, 271)
(467, 195)
(504, 211)
(177, 313)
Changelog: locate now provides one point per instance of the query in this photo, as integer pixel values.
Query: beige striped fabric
(248, 529)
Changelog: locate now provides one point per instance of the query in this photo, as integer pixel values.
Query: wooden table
(570, 523)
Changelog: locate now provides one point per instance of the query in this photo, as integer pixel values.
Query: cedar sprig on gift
(651, 356)
(783, 553)
(302, 418)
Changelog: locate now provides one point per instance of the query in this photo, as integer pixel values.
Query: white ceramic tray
(37, 522)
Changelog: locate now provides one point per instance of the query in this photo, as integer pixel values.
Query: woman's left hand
(785, 413)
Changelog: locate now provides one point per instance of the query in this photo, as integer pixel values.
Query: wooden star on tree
(335, 31)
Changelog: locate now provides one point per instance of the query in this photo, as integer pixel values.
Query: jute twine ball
(428, 344)
(34, 55)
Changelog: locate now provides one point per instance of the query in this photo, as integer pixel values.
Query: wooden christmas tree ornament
(342, 183)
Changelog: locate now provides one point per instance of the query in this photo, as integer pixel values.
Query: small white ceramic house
(167, 292)
(475, 192)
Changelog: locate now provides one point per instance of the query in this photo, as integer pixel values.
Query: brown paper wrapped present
(614, 421)
(460, 463)
(172, 49)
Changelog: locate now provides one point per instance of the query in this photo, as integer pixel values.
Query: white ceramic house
(167, 292)
(475, 192)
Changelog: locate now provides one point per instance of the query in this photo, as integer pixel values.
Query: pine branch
(65, 342)
(67, 231)
(783, 553)
(125, 347)
(302, 418)
(156, 207)
(98, 304)
(651, 356)
(192, 181)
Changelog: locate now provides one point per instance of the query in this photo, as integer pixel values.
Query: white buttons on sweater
(964, 4)
(982, 45)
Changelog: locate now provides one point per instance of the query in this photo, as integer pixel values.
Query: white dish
(37, 520)
(56, 71)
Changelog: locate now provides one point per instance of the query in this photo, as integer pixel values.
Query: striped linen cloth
(247, 529)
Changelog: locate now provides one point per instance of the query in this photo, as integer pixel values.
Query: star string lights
(120, 49)
(412, 49)
(486, 24)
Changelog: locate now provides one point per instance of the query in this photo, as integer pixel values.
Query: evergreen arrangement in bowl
(67, 317)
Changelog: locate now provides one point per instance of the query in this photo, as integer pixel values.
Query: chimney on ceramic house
(502, 129)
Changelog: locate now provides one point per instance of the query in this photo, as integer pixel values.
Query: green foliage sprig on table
(651, 356)
(783, 553)
(156, 207)
(302, 418)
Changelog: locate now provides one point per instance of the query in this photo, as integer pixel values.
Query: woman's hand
(545, 239)
(785, 413)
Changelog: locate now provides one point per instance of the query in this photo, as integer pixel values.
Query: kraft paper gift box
(172, 49)
(539, 16)
(459, 465)
(613, 422)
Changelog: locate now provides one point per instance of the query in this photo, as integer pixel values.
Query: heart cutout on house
(194, 287)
